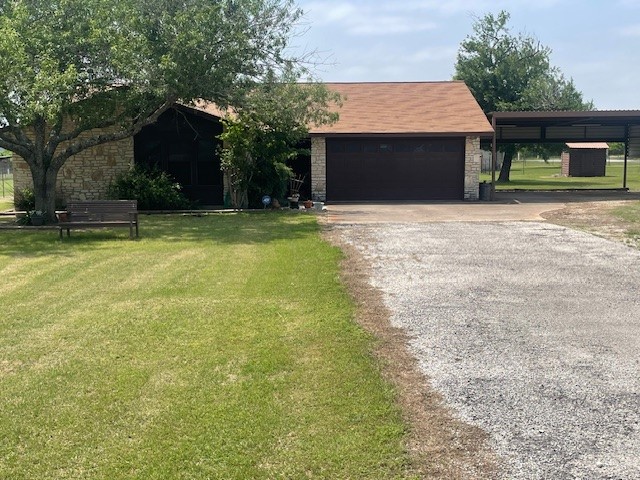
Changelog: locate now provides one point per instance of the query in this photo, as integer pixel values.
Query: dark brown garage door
(395, 169)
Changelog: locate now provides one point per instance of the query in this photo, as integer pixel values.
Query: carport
(551, 127)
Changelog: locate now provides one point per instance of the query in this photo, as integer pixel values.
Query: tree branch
(14, 147)
(131, 130)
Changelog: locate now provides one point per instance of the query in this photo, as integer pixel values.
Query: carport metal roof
(546, 127)
(562, 127)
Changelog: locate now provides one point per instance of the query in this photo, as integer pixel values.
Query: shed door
(395, 169)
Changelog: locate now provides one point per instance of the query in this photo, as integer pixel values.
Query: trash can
(485, 191)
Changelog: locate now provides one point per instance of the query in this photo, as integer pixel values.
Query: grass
(6, 192)
(214, 347)
(538, 175)
(630, 215)
(6, 185)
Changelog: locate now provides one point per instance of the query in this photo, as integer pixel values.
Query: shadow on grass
(226, 228)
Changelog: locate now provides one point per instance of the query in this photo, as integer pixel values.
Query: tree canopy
(512, 72)
(73, 66)
(262, 135)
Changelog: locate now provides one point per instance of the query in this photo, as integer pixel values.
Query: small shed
(585, 159)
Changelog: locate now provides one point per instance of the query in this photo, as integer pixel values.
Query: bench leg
(60, 233)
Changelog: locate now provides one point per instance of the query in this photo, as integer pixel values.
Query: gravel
(529, 330)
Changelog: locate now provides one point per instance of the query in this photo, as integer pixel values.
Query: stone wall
(472, 166)
(318, 169)
(85, 176)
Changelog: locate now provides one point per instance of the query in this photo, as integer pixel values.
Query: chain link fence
(6, 178)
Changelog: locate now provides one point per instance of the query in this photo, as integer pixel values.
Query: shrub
(24, 200)
(270, 178)
(151, 187)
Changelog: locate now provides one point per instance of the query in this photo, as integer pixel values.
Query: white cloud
(369, 20)
(433, 54)
(455, 7)
(373, 18)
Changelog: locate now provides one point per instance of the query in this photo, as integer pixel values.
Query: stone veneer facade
(86, 175)
(472, 166)
(318, 169)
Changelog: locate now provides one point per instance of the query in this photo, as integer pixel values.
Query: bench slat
(100, 214)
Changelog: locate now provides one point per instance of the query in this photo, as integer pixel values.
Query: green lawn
(630, 214)
(538, 175)
(6, 192)
(214, 347)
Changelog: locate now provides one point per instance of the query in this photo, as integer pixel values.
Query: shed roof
(407, 108)
(588, 145)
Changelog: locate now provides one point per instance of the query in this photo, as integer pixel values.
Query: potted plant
(36, 217)
(308, 204)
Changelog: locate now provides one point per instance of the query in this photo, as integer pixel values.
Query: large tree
(79, 73)
(508, 71)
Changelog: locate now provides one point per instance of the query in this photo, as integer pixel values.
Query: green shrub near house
(24, 200)
(153, 188)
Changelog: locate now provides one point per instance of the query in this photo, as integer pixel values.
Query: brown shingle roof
(430, 108)
(210, 108)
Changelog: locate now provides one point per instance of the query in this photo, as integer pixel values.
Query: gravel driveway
(529, 330)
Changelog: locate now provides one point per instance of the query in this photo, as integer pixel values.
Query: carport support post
(494, 158)
(626, 156)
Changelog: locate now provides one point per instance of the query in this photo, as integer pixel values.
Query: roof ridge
(393, 82)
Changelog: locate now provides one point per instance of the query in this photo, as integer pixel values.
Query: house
(585, 159)
(393, 142)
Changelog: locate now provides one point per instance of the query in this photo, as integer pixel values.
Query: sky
(594, 42)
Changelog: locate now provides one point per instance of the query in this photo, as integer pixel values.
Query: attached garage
(410, 141)
(395, 169)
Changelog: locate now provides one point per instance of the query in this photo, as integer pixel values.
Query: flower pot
(308, 204)
(37, 220)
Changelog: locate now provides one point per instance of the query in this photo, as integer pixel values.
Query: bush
(152, 188)
(24, 200)
(269, 179)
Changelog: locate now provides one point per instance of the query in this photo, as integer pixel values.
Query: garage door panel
(395, 169)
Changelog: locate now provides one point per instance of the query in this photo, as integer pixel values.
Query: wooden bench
(101, 214)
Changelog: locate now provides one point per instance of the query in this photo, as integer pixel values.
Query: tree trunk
(44, 189)
(509, 152)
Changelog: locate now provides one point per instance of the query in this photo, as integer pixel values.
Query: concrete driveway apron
(529, 330)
